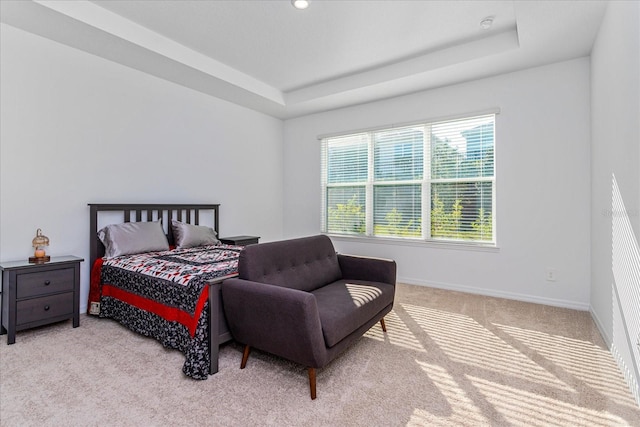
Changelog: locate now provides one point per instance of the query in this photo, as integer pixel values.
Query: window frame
(426, 183)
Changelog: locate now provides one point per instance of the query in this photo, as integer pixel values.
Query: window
(429, 181)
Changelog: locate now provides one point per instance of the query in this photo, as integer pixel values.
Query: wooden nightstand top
(8, 265)
(240, 240)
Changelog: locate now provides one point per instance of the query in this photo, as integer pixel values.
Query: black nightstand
(39, 294)
(240, 240)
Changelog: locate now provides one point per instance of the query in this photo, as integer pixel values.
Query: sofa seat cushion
(346, 305)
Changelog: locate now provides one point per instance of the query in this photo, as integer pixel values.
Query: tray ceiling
(285, 62)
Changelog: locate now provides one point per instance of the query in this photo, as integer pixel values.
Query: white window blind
(345, 166)
(426, 181)
(398, 164)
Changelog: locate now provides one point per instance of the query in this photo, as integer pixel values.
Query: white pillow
(189, 235)
(133, 238)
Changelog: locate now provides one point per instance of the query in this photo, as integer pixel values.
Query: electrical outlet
(551, 275)
(95, 308)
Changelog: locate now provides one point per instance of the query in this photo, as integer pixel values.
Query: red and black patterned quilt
(164, 295)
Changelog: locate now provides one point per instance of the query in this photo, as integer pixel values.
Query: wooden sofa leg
(312, 382)
(245, 356)
(384, 327)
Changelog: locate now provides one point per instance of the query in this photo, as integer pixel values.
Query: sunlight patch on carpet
(397, 333)
(520, 407)
(581, 360)
(462, 408)
(466, 341)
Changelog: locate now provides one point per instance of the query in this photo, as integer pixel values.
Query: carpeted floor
(448, 359)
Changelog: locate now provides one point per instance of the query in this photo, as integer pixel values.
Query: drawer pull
(46, 308)
(47, 282)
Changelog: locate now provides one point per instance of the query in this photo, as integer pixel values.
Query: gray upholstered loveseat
(300, 300)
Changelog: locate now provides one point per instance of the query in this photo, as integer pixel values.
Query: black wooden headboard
(189, 213)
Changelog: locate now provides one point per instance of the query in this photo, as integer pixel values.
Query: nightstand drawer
(35, 309)
(44, 282)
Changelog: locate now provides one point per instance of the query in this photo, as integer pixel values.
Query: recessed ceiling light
(487, 22)
(300, 4)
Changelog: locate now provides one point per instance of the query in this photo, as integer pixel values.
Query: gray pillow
(133, 238)
(189, 235)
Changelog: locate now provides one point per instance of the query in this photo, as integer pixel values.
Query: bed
(164, 294)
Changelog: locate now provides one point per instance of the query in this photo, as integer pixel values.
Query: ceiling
(273, 58)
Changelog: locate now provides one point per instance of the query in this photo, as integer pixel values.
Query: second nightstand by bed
(240, 240)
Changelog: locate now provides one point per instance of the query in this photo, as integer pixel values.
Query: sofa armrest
(275, 319)
(367, 268)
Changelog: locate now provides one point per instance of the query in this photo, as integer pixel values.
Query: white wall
(77, 129)
(615, 226)
(543, 184)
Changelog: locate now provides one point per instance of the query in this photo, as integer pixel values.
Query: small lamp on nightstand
(39, 242)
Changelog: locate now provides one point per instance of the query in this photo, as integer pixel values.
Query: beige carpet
(448, 359)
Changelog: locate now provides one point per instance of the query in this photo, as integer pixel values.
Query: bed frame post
(93, 238)
(214, 323)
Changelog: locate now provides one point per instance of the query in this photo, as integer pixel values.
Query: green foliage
(483, 225)
(396, 226)
(448, 223)
(347, 218)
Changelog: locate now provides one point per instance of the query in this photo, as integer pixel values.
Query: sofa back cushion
(306, 263)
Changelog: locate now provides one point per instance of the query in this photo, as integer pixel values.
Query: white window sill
(464, 246)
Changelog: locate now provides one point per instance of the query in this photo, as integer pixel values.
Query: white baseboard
(603, 333)
(498, 294)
